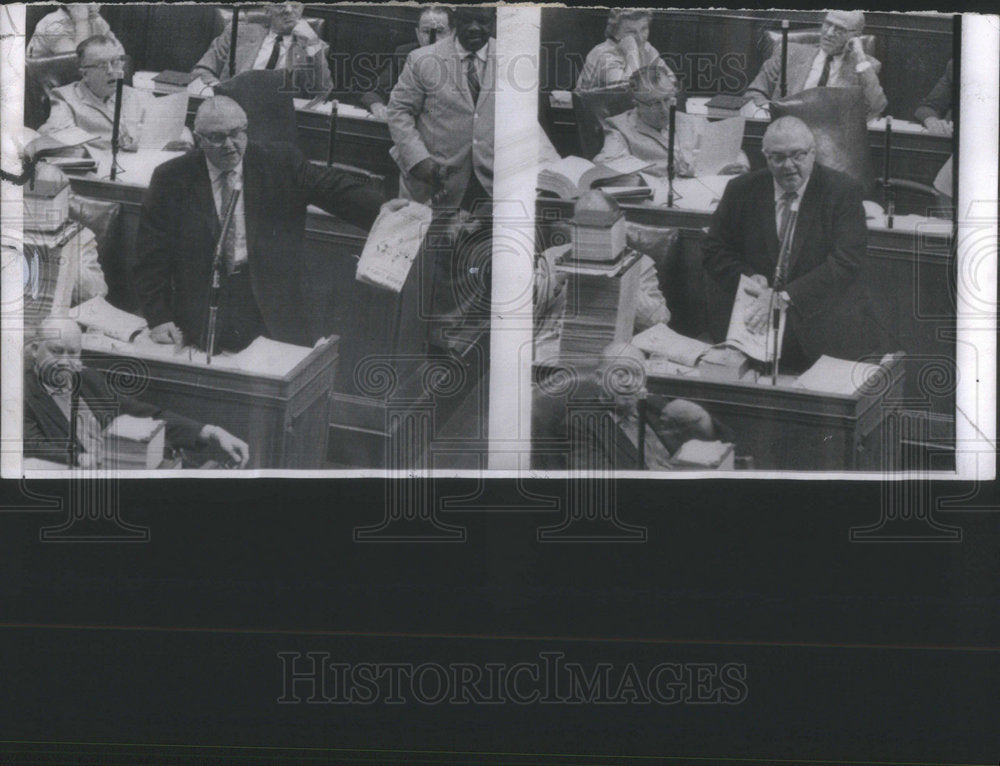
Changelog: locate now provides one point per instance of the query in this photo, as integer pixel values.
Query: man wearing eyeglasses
(180, 224)
(819, 212)
(837, 61)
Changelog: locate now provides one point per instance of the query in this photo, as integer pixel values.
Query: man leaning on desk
(53, 367)
(284, 44)
(837, 61)
(821, 210)
(180, 224)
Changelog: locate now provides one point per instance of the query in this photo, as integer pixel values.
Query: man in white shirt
(285, 44)
(838, 61)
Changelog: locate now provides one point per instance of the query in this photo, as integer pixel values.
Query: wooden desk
(910, 278)
(787, 428)
(283, 419)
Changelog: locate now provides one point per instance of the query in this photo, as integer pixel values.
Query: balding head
(838, 28)
(55, 349)
(789, 148)
(220, 126)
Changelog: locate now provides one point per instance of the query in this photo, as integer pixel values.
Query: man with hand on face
(434, 24)
(89, 103)
(181, 220)
(54, 369)
(441, 115)
(839, 61)
(821, 286)
(284, 44)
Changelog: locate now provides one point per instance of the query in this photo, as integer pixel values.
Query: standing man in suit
(441, 115)
(281, 45)
(838, 61)
(934, 112)
(53, 368)
(435, 24)
(181, 221)
(828, 308)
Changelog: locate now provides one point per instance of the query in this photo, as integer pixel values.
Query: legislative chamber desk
(784, 427)
(282, 415)
(378, 329)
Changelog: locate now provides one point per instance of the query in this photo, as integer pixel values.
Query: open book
(660, 340)
(392, 245)
(756, 345)
(100, 316)
(571, 176)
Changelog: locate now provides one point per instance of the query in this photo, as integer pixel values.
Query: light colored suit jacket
(800, 61)
(76, 104)
(305, 53)
(625, 134)
(606, 66)
(431, 114)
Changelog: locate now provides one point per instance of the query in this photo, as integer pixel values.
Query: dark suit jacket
(830, 312)
(46, 429)
(388, 73)
(178, 229)
(939, 101)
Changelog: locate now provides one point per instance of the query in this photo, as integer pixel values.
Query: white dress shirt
(480, 59)
(239, 219)
(812, 80)
(778, 194)
(267, 46)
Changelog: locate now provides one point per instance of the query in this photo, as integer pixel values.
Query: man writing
(820, 211)
(55, 370)
(838, 61)
(181, 221)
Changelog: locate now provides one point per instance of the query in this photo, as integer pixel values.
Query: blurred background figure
(626, 50)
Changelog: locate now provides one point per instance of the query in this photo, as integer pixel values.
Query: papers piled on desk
(134, 168)
(134, 442)
(660, 340)
(600, 308)
(97, 315)
(689, 193)
(695, 453)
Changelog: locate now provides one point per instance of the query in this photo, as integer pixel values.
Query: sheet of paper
(837, 376)
(719, 146)
(134, 168)
(756, 345)
(131, 427)
(100, 316)
(162, 120)
(660, 340)
(72, 136)
(392, 245)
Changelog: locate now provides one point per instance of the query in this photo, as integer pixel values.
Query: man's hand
(379, 111)
(395, 204)
(432, 173)
(629, 47)
(938, 126)
(757, 314)
(167, 332)
(236, 448)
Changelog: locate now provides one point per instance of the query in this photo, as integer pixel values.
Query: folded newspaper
(392, 246)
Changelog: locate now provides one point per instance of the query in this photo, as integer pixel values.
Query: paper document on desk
(134, 168)
(660, 340)
(756, 345)
(162, 120)
(392, 246)
(838, 376)
(266, 356)
(719, 146)
(97, 315)
(689, 193)
(71, 136)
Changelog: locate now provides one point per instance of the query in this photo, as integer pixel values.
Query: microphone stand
(116, 127)
(640, 407)
(670, 155)
(332, 138)
(232, 42)
(784, 58)
(775, 308)
(216, 285)
(74, 408)
(888, 189)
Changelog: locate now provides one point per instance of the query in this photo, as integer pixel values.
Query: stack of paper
(701, 454)
(100, 316)
(600, 308)
(660, 340)
(134, 442)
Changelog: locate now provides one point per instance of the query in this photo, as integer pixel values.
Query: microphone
(232, 42)
(332, 137)
(116, 126)
(784, 58)
(888, 191)
(670, 155)
(216, 284)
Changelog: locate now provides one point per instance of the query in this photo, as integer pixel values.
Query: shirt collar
(84, 91)
(779, 192)
(285, 39)
(462, 52)
(215, 173)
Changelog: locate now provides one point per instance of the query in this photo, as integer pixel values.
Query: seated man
(821, 283)
(61, 31)
(280, 45)
(934, 112)
(625, 51)
(837, 62)
(89, 103)
(644, 130)
(50, 374)
(435, 23)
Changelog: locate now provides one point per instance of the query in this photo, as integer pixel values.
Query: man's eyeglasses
(834, 29)
(778, 158)
(115, 63)
(219, 137)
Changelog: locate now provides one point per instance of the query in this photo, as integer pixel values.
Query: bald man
(53, 368)
(828, 307)
(180, 223)
(838, 61)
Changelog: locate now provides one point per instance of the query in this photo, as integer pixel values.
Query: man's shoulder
(178, 167)
(405, 49)
(754, 182)
(835, 180)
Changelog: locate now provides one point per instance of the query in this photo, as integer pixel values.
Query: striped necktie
(472, 75)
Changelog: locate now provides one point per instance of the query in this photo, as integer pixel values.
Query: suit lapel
(50, 418)
(767, 213)
(650, 132)
(253, 182)
(808, 209)
(247, 53)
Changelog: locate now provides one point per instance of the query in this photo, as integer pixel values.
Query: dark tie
(229, 244)
(472, 75)
(825, 74)
(275, 52)
(785, 219)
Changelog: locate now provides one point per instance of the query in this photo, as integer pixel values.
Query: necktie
(825, 74)
(229, 243)
(472, 75)
(784, 232)
(275, 52)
